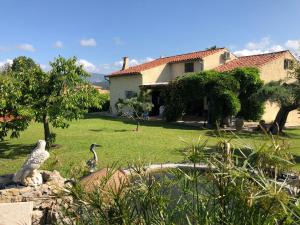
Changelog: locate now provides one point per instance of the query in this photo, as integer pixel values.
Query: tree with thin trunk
(53, 98)
(136, 108)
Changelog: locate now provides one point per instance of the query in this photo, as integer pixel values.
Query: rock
(93, 181)
(45, 203)
(37, 217)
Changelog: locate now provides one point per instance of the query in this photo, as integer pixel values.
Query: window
(130, 94)
(189, 67)
(288, 64)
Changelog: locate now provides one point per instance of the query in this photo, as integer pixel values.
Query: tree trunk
(281, 118)
(47, 133)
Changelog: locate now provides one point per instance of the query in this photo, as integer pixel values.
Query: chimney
(125, 63)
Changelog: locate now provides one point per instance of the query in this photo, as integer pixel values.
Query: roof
(250, 61)
(171, 59)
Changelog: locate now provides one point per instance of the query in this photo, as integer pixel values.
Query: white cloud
(276, 48)
(133, 62)
(265, 45)
(244, 52)
(7, 61)
(88, 66)
(108, 68)
(45, 67)
(262, 44)
(58, 44)
(118, 41)
(26, 47)
(91, 42)
(293, 44)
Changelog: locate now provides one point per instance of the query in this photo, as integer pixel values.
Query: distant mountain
(96, 77)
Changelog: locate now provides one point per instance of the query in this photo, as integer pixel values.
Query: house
(272, 66)
(156, 74)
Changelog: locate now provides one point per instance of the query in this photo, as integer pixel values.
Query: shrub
(229, 94)
(105, 100)
(104, 103)
(250, 83)
(174, 103)
(190, 90)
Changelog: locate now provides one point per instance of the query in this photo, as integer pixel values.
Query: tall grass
(239, 186)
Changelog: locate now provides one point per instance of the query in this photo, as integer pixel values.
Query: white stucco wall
(212, 61)
(157, 74)
(177, 69)
(120, 84)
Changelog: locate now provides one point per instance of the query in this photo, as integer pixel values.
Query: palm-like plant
(236, 188)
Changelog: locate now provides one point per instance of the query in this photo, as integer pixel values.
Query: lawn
(156, 142)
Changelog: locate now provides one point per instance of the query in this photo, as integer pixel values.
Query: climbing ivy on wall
(228, 94)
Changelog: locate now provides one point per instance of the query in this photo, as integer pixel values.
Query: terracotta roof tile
(172, 59)
(250, 61)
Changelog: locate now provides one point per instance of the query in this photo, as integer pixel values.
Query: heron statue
(92, 163)
(112, 178)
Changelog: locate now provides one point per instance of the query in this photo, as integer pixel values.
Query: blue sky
(99, 33)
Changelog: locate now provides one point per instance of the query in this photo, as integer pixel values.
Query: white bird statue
(28, 175)
(92, 163)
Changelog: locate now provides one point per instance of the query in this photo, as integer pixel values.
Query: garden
(156, 142)
(215, 176)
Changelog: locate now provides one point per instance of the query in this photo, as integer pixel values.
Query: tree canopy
(284, 93)
(55, 97)
(250, 83)
(227, 94)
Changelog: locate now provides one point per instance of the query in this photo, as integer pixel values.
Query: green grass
(156, 142)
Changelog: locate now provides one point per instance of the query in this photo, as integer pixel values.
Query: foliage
(136, 108)
(55, 97)
(104, 102)
(16, 89)
(228, 94)
(189, 91)
(280, 92)
(174, 107)
(234, 189)
(286, 94)
(250, 83)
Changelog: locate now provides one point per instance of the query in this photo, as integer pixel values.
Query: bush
(188, 91)
(174, 103)
(105, 99)
(250, 83)
(104, 103)
(229, 94)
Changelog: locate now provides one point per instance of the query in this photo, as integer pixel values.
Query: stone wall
(44, 197)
